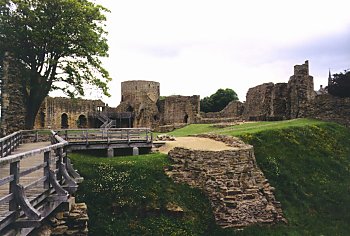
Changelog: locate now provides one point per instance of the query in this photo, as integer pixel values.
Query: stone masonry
(301, 91)
(282, 100)
(65, 223)
(179, 109)
(329, 108)
(77, 113)
(12, 99)
(240, 194)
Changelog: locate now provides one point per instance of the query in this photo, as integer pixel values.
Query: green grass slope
(308, 162)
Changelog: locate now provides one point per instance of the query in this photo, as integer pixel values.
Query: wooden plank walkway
(24, 165)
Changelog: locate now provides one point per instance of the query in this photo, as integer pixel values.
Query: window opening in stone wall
(64, 121)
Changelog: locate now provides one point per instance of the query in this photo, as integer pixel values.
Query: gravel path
(195, 143)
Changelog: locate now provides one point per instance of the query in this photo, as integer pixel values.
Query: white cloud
(199, 46)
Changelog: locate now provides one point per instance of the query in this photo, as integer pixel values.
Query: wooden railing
(56, 183)
(9, 143)
(126, 134)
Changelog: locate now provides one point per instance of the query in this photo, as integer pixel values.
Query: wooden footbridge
(37, 177)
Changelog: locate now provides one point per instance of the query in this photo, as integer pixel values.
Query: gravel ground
(195, 143)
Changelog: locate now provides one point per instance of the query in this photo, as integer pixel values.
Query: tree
(59, 44)
(218, 101)
(340, 84)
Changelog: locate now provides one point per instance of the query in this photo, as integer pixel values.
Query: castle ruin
(142, 106)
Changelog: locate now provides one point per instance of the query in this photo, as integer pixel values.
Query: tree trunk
(33, 102)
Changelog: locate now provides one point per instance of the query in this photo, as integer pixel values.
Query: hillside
(308, 162)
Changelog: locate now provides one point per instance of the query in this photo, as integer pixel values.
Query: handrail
(60, 181)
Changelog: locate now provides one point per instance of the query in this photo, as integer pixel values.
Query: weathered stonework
(179, 109)
(301, 91)
(282, 100)
(329, 108)
(12, 98)
(59, 112)
(258, 102)
(240, 194)
(142, 98)
(73, 222)
(233, 109)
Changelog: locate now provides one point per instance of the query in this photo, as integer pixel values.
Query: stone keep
(140, 97)
(301, 91)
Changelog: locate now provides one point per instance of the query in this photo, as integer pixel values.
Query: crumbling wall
(233, 109)
(13, 108)
(179, 109)
(240, 194)
(135, 91)
(282, 100)
(301, 91)
(140, 97)
(258, 102)
(329, 108)
(279, 102)
(54, 110)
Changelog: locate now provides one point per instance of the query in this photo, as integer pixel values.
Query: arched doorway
(64, 121)
(82, 121)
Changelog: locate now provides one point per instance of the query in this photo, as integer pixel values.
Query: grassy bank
(308, 162)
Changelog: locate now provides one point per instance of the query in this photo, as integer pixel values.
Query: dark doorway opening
(186, 119)
(82, 121)
(64, 121)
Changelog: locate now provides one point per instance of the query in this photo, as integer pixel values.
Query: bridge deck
(25, 164)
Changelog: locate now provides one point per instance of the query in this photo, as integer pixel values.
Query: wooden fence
(58, 180)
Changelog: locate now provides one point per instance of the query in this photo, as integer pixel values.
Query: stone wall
(240, 194)
(301, 91)
(329, 108)
(135, 91)
(54, 110)
(282, 100)
(233, 109)
(13, 110)
(179, 109)
(258, 102)
(71, 222)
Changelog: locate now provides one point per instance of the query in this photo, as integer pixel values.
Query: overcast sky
(194, 47)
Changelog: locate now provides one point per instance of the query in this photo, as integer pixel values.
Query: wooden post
(9, 146)
(2, 149)
(66, 135)
(14, 170)
(58, 163)
(36, 137)
(47, 160)
(147, 135)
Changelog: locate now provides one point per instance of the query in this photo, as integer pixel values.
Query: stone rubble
(240, 194)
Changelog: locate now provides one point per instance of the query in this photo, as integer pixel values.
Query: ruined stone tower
(301, 91)
(140, 97)
(136, 91)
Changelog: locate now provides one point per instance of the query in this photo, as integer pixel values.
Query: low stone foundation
(240, 194)
(73, 222)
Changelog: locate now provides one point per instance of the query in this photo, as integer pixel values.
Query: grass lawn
(246, 128)
(307, 161)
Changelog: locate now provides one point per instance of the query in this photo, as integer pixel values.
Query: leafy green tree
(218, 101)
(340, 84)
(58, 43)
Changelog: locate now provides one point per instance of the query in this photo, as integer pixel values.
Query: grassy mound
(308, 162)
